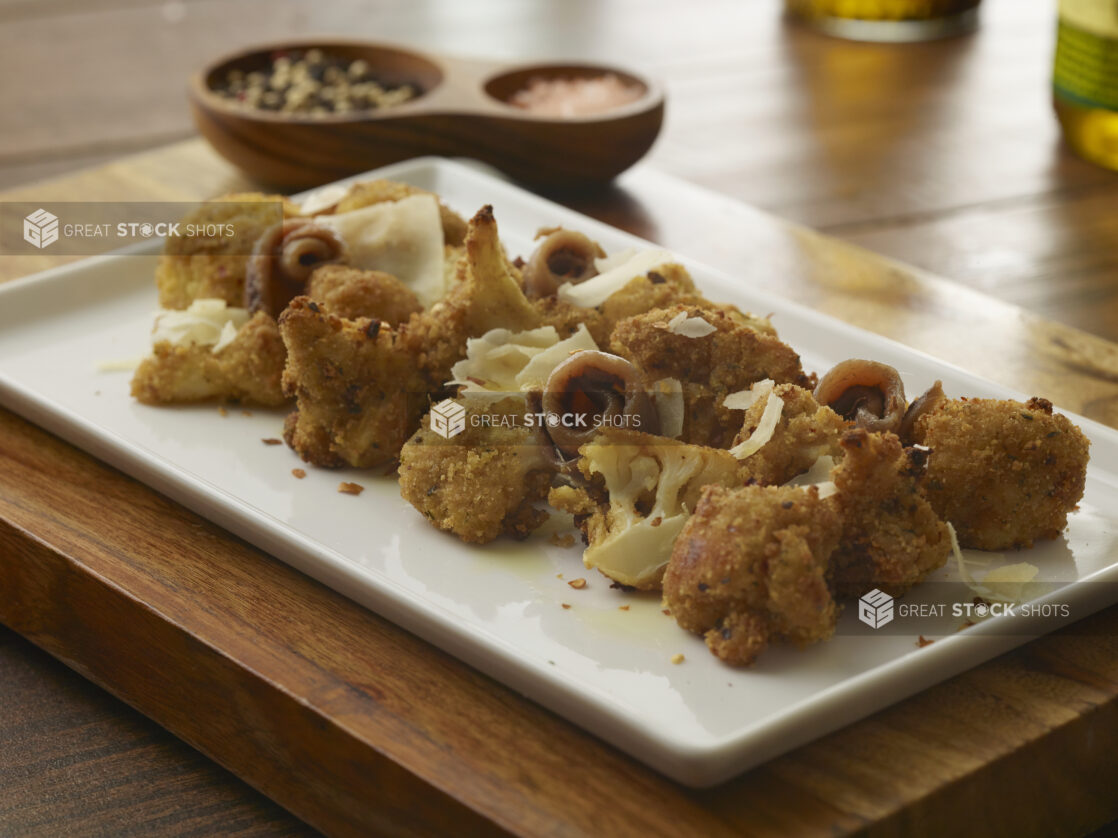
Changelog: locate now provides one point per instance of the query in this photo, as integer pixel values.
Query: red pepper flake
(271, 440)
(579, 583)
(666, 612)
(565, 604)
(298, 473)
(923, 641)
(350, 488)
(623, 608)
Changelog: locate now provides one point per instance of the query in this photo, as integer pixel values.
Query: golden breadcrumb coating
(197, 267)
(1003, 473)
(359, 394)
(486, 294)
(369, 192)
(806, 431)
(482, 483)
(750, 568)
(891, 536)
(247, 370)
(351, 293)
(732, 358)
(665, 286)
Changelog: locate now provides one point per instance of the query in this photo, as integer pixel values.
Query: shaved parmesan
(501, 361)
(826, 488)
(535, 373)
(745, 399)
(323, 199)
(596, 290)
(119, 365)
(403, 238)
(1009, 580)
(493, 360)
(770, 417)
(667, 397)
(227, 336)
(608, 263)
(690, 327)
(207, 322)
(1002, 584)
(819, 473)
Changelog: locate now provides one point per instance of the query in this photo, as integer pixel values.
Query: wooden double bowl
(462, 110)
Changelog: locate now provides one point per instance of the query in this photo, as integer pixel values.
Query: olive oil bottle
(1085, 79)
(887, 20)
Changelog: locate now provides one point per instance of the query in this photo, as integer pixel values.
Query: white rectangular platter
(500, 607)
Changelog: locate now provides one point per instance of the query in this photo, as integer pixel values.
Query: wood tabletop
(945, 156)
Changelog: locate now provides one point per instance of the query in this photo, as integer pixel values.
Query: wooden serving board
(357, 727)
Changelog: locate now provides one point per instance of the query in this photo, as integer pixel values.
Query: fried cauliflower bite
(359, 393)
(1003, 473)
(199, 266)
(663, 287)
(732, 356)
(751, 567)
(486, 294)
(483, 483)
(805, 432)
(891, 536)
(635, 494)
(247, 370)
(351, 293)
(369, 192)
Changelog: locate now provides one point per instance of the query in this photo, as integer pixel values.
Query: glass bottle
(887, 20)
(1085, 78)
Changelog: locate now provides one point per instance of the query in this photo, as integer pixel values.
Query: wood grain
(360, 728)
(356, 726)
(933, 152)
(943, 155)
(71, 765)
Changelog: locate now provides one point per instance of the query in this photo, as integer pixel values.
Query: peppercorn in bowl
(298, 115)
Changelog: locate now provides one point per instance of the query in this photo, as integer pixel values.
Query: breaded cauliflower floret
(638, 492)
(891, 536)
(805, 432)
(486, 295)
(359, 394)
(247, 370)
(199, 267)
(1003, 473)
(369, 192)
(751, 567)
(665, 286)
(732, 356)
(351, 293)
(482, 483)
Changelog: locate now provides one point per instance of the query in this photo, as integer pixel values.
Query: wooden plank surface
(78, 762)
(355, 725)
(943, 155)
